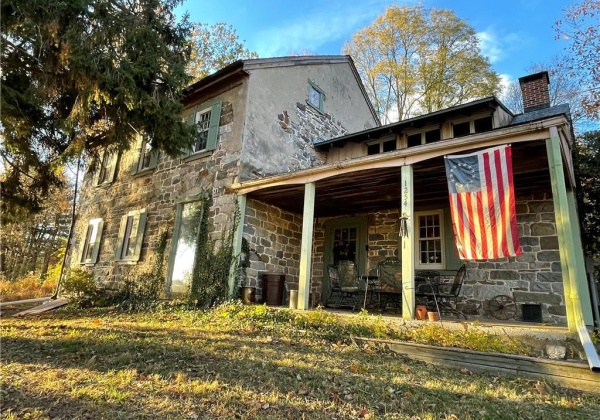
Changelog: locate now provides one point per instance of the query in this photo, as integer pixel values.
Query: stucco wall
(279, 94)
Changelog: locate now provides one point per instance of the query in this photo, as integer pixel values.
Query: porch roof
(372, 183)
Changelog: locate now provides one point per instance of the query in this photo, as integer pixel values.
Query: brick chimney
(534, 89)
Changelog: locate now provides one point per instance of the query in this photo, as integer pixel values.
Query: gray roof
(540, 114)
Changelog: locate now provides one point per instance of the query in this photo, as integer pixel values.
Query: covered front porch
(293, 223)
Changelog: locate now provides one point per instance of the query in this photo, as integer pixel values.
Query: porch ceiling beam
(522, 133)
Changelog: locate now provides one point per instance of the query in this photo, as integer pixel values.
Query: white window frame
(93, 234)
(147, 156)
(202, 127)
(107, 167)
(418, 239)
(134, 221)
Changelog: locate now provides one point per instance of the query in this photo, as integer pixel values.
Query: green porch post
(567, 250)
(306, 245)
(408, 244)
(581, 281)
(237, 241)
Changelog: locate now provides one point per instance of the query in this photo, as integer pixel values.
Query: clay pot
(433, 316)
(421, 312)
(248, 295)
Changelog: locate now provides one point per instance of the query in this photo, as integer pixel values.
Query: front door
(345, 240)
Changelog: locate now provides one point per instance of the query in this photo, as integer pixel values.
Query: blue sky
(513, 34)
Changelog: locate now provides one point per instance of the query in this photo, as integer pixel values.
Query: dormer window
(483, 124)
(476, 125)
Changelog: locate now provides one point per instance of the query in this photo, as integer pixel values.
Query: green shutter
(96, 249)
(113, 167)
(140, 236)
(153, 158)
(98, 165)
(213, 130)
(190, 120)
(121, 237)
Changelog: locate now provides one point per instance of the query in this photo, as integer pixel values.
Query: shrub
(79, 286)
(27, 287)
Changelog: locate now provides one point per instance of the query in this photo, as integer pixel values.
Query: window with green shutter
(90, 246)
(105, 171)
(131, 236)
(146, 158)
(206, 119)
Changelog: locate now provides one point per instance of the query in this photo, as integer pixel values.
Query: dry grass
(28, 287)
(243, 362)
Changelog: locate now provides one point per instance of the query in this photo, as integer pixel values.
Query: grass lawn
(245, 362)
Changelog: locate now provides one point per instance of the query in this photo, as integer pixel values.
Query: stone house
(297, 145)
(254, 118)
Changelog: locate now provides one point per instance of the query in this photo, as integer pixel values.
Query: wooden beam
(306, 246)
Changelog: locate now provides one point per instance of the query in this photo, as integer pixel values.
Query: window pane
(145, 155)
(461, 129)
(373, 149)
(202, 127)
(483, 124)
(433, 135)
(389, 146)
(414, 140)
(185, 251)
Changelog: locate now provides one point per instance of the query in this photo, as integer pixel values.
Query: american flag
(482, 203)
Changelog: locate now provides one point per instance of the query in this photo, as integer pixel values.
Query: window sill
(126, 262)
(143, 172)
(104, 185)
(320, 111)
(87, 264)
(198, 155)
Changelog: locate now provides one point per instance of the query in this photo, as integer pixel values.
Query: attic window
(433, 136)
(414, 140)
(461, 129)
(483, 124)
(382, 146)
(316, 97)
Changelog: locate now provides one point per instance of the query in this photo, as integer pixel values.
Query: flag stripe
(482, 204)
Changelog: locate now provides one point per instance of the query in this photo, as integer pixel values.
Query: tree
(213, 48)
(414, 60)
(562, 89)
(580, 28)
(81, 75)
(586, 160)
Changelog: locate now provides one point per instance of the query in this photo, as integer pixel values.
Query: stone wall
(534, 277)
(156, 191)
(274, 237)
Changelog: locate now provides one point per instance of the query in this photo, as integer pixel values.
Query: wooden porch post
(568, 258)
(306, 245)
(237, 240)
(408, 244)
(581, 281)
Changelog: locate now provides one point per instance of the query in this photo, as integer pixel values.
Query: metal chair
(445, 294)
(389, 273)
(344, 286)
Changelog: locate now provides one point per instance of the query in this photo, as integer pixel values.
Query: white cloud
(505, 82)
(315, 28)
(490, 46)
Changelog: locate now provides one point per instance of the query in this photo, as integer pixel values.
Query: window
(433, 135)
(91, 244)
(414, 140)
(483, 124)
(147, 157)
(206, 119)
(381, 146)
(105, 171)
(430, 240)
(183, 251)
(461, 129)
(316, 97)
(131, 234)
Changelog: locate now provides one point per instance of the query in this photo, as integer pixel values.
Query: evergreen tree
(82, 75)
